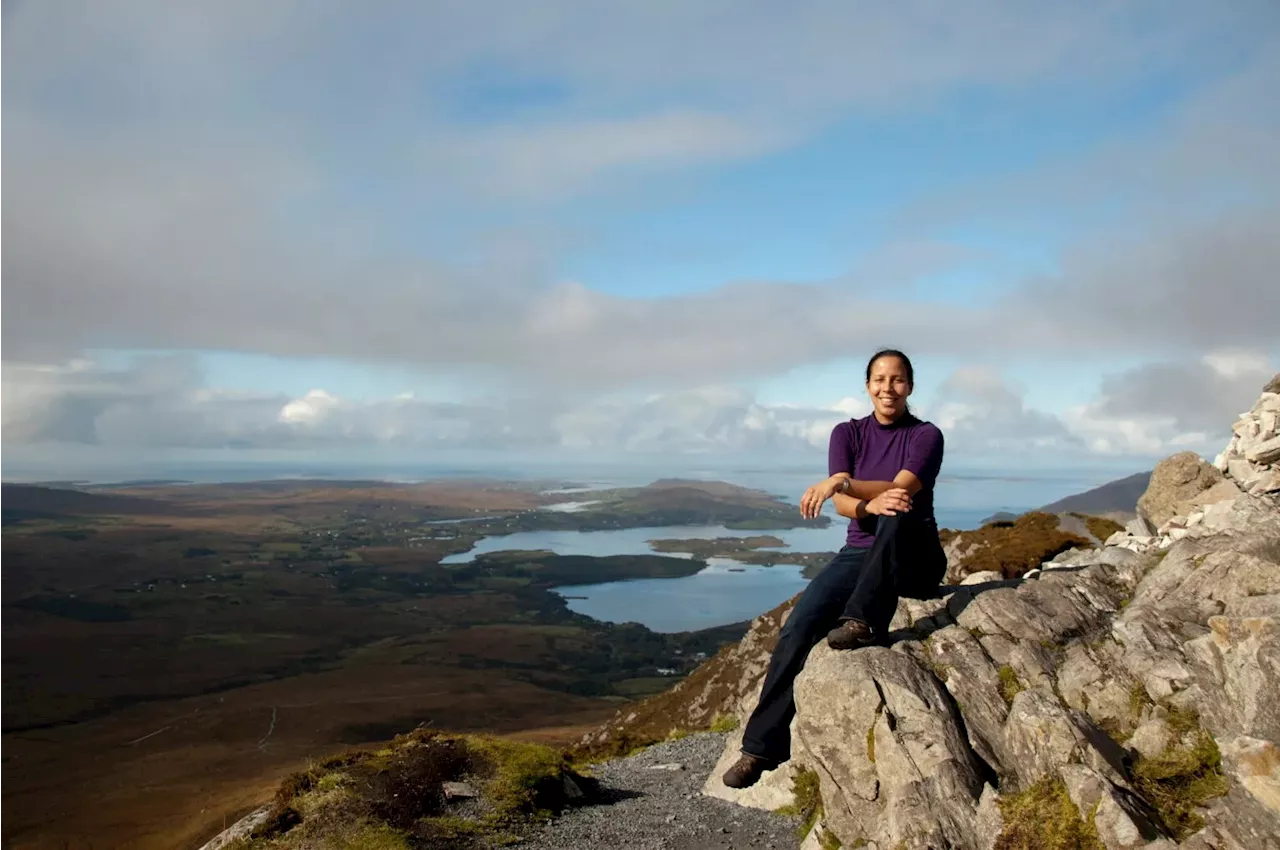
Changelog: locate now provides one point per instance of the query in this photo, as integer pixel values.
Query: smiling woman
(891, 549)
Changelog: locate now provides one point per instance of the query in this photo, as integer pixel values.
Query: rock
(1151, 738)
(459, 791)
(982, 577)
(239, 830)
(1238, 662)
(923, 786)
(1120, 822)
(1273, 386)
(1265, 453)
(1256, 765)
(1223, 491)
(1174, 480)
(1268, 482)
(1139, 527)
(775, 788)
(1241, 471)
(668, 766)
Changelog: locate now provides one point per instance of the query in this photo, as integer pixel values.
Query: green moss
(1044, 818)
(678, 734)
(1183, 777)
(1010, 687)
(724, 723)
(829, 841)
(521, 771)
(807, 791)
(871, 744)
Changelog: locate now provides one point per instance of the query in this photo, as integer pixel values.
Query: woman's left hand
(812, 500)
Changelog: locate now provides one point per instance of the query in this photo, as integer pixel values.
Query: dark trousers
(864, 584)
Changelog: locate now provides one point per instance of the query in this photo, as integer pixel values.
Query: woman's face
(889, 387)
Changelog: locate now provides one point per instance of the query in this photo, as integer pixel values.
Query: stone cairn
(1185, 490)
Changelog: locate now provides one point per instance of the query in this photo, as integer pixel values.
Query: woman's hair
(906, 362)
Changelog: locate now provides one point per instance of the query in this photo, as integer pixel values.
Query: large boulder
(888, 747)
(1176, 479)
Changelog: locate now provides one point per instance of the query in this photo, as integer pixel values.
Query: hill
(1117, 496)
(31, 501)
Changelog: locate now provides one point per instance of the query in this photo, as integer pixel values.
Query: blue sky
(616, 230)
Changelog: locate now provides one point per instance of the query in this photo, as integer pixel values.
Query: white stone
(982, 577)
(1117, 538)
(1268, 482)
(1246, 428)
(1267, 401)
(1220, 461)
(458, 791)
(674, 765)
(1265, 453)
(1139, 527)
(1269, 422)
(1241, 471)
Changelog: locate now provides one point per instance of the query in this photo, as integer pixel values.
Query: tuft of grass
(523, 776)
(1043, 818)
(1183, 777)
(678, 734)
(829, 841)
(1010, 687)
(1138, 700)
(807, 791)
(725, 723)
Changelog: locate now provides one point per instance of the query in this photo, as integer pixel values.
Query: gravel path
(651, 809)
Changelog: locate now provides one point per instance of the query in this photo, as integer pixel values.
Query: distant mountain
(1119, 496)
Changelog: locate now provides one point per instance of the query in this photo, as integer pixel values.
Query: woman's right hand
(890, 502)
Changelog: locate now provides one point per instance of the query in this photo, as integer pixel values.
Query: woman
(883, 468)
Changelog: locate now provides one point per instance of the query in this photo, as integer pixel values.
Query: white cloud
(1155, 408)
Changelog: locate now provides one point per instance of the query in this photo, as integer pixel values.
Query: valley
(171, 651)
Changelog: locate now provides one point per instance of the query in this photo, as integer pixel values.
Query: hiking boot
(746, 771)
(851, 634)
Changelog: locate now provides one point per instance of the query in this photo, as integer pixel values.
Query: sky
(239, 231)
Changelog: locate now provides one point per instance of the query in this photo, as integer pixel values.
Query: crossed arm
(853, 499)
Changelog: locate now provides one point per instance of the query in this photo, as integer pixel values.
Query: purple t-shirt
(870, 451)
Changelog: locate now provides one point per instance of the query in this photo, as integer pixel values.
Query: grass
(1184, 776)
(392, 798)
(1043, 818)
(1013, 548)
(1010, 687)
(871, 744)
(724, 723)
(1099, 527)
(807, 803)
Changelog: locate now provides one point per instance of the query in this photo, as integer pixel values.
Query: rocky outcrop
(1140, 679)
(1188, 490)
(1175, 481)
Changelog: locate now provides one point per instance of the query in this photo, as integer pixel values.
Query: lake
(725, 591)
